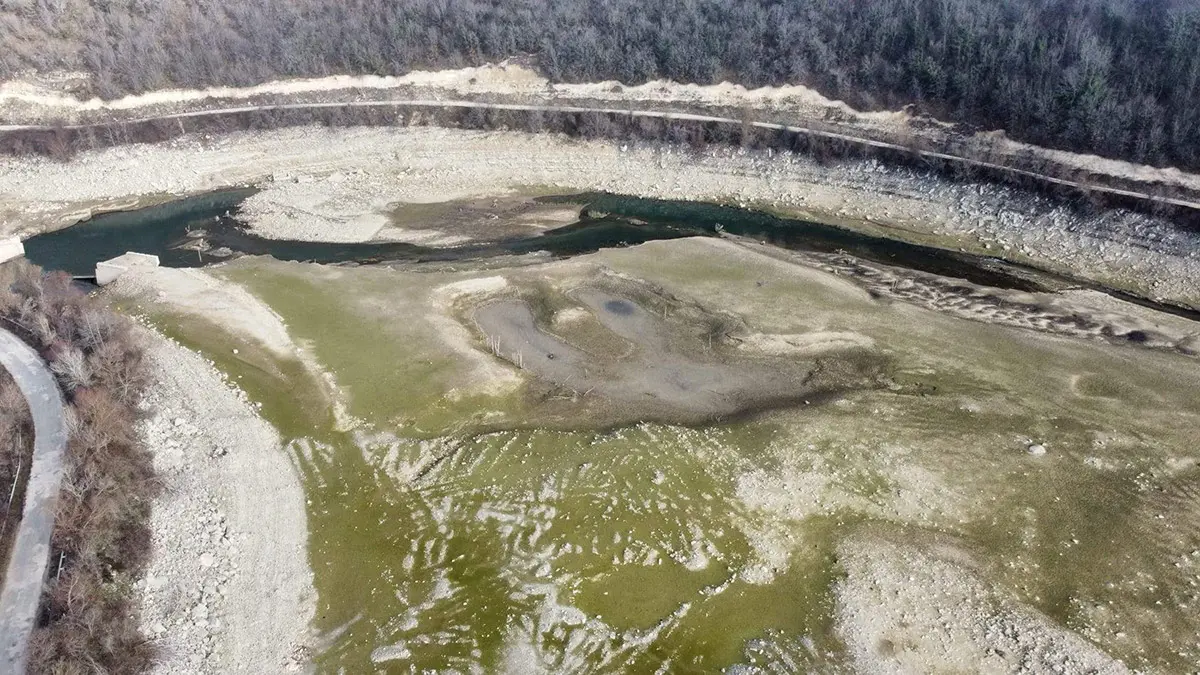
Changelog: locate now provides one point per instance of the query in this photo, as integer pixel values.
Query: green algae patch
(369, 328)
(646, 547)
(569, 544)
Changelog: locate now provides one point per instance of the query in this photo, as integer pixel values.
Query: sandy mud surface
(654, 374)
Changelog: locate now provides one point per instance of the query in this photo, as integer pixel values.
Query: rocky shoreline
(228, 589)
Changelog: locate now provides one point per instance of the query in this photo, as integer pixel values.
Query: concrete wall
(11, 248)
(109, 270)
(106, 272)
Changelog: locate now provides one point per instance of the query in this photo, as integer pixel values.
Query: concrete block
(110, 270)
(11, 248)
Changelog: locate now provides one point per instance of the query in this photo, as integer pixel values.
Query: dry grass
(101, 538)
(16, 446)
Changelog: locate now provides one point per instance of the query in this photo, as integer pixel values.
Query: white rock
(207, 560)
(1036, 449)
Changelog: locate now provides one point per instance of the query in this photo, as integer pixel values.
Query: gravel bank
(228, 589)
(909, 608)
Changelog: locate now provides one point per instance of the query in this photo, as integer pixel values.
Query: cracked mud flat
(466, 520)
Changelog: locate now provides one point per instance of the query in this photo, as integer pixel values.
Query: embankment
(511, 96)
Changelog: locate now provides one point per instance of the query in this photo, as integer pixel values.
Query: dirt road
(636, 113)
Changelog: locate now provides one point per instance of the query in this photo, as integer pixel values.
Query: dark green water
(171, 231)
(699, 218)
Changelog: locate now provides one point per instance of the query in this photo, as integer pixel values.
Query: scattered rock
(191, 603)
(921, 606)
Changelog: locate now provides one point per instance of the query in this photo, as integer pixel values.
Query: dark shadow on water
(619, 307)
(159, 230)
(791, 233)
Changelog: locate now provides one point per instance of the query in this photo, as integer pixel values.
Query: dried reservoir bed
(474, 504)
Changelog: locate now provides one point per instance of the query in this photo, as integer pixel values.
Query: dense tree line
(1119, 78)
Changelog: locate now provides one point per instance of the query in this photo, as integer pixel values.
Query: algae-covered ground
(466, 516)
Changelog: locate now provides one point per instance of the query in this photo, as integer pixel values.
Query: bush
(101, 539)
(16, 447)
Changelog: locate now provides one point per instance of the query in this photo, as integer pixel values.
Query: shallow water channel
(204, 229)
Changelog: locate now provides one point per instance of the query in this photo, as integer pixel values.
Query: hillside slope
(1118, 78)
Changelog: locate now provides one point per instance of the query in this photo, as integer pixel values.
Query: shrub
(16, 446)
(101, 539)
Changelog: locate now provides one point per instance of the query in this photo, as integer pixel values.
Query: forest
(1118, 78)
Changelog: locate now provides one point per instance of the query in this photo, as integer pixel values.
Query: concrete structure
(11, 248)
(109, 270)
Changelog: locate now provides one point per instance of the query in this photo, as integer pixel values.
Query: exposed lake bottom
(608, 509)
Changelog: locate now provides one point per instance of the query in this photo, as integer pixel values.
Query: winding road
(30, 555)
